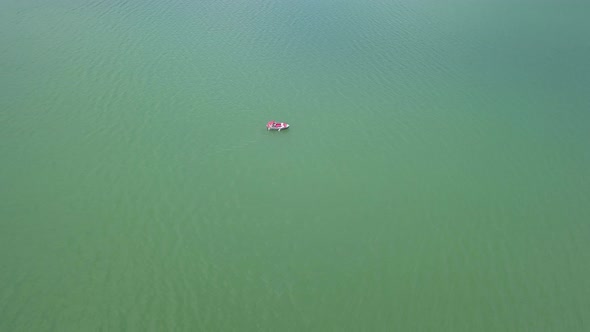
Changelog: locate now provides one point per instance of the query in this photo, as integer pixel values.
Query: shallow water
(436, 175)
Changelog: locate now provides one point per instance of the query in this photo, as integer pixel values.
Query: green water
(436, 175)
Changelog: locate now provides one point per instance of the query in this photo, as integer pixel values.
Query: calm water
(436, 176)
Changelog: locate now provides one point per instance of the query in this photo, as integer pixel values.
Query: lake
(435, 175)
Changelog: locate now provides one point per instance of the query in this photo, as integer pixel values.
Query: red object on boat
(273, 125)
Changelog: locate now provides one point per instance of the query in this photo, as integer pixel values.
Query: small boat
(273, 125)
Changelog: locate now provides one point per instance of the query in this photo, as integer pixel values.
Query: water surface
(436, 175)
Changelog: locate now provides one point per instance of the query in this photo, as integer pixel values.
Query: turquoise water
(436, 175)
